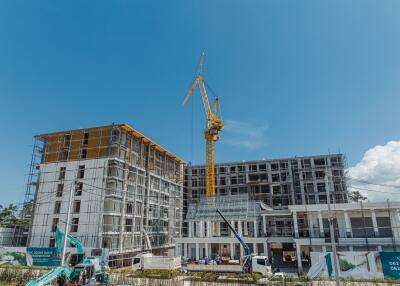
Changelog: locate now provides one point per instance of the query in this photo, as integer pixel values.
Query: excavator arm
(74, 241)
(51, 276)
(64, 271)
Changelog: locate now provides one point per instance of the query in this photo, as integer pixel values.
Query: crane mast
(213, 125)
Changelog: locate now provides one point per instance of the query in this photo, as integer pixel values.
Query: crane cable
(192, 133)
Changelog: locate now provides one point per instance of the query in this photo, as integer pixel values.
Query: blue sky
(293, 77)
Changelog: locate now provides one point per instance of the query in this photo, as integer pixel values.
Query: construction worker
(218, 259)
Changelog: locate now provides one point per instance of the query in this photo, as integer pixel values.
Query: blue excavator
(87, 272)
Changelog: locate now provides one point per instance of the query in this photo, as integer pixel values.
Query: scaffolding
(125, 184)
(32, 185)
(234, 207)
(33, 175)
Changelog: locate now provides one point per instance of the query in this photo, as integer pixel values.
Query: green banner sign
(390, 264)
(43, 256)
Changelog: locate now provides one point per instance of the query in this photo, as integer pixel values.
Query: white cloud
(244, 135)
(379, 165)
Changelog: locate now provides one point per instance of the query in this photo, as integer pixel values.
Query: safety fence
(120, 279)
(20, 276)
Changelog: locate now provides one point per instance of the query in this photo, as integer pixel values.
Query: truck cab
(138, 260)
(260, 264)
(137, 263)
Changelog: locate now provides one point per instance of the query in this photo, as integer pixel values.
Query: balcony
(342, 233)
(280, 231)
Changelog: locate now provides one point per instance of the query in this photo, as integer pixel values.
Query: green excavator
(87, 271)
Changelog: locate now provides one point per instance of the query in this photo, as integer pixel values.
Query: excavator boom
(74, 241)
(64, 271)
(50, 276)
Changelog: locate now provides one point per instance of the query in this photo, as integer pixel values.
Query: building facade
(278, 183)
(125, 190)
(357, 227)
(245, 192)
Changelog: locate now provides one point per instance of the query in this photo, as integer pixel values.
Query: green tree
(9, 217)
(356, 197)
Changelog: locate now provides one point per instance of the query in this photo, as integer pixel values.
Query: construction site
(124, 189)
(109, 197)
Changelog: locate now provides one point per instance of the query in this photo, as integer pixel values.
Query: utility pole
(331, 229)
(67, 222)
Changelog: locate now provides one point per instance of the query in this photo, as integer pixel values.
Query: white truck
(259, 264)
(252, 262)
(146, 261)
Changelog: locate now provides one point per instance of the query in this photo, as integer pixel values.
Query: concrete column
(296, 226)
(246, 229)
(323, 248)
(303, 197)
(218, 228)
(233, 225)
(347, 222)
(374, 223)
(379, 247)
(184, 250)
(255, 228)
(291, 186)
(201, 229)
(321, 224)
(341, 227)
(266, 252)
(190, 231)
(197, 251)
(240, 227)
(394, 223)
(396, 216)
(255, 248)
(207, 251)
(310, 224)
(209, 229)
(298, 256)
(241, 251)
(232, 245)
(351, 248)
(197, 229)
(123, 210)
(264, 222)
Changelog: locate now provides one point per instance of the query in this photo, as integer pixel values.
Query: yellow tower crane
(213, 125)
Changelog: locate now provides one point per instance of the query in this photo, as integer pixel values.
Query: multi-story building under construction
(126, 191)
(256, 197)
(277, 183)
